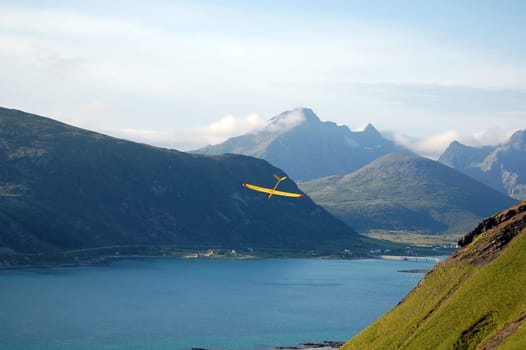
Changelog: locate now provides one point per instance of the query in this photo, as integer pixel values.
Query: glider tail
(280, 178)
(277, 184)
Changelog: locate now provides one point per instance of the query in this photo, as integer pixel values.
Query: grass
(458, 305)
(413, 238)
(399, 192)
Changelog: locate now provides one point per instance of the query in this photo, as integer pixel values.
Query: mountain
(462, 157)
(307, 148)
(475, 299)
(403, 192)
(65, 188)
(502, 167)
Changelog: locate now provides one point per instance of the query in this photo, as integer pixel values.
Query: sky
(184, 74)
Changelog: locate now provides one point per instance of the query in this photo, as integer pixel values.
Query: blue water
(179, 304)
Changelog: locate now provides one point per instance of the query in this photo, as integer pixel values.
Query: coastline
(408, 258)
(107, 260)
(325, 345)
(105, 255)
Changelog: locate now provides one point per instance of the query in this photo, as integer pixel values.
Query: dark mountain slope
(402, 192)
(475, 299)
(502, 167)
(307, 148)
(66, 188)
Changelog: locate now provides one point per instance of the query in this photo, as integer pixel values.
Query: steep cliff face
(475, 299)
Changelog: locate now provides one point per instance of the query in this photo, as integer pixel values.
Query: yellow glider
(274, 191)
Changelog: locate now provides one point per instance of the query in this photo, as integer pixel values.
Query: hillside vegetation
(409, 193)
(475, 299)
(65, 188)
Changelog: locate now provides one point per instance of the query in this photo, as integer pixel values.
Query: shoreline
(325, 345)
(108, 259)
(10, 259)
(106, 254)
(409, 258)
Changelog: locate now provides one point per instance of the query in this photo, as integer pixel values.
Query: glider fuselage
(273, 191)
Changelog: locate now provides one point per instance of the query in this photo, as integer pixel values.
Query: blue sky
(184, 74)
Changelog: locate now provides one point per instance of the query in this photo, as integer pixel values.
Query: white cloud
(156, 65)
(431, 146)
(434, 145)
(128, 54)
(181, 139)
(492, 137)
(285, 121)
(230, 126)
(191, 138)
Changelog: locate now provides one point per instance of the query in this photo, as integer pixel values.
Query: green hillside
(64, 188)
(409, 193)
(476, 299)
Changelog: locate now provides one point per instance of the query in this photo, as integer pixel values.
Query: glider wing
(273, 192)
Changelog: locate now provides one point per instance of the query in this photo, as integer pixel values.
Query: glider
(274, 191)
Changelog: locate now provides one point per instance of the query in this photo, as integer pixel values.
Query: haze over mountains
(63, 187)
(307, 148)
(502, 167)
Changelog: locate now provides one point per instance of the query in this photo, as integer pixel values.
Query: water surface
(179, 304)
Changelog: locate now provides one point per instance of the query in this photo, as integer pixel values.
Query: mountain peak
(305, 114)
(307, 148)
(371, 130)
(407, 192)
(288, 120)
(456, 146)
(518, 139)
(308, 113)
(501, 167)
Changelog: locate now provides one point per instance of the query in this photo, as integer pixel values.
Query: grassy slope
(400, 192)
(458, 304)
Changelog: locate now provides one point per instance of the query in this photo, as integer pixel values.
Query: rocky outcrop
(494, 234)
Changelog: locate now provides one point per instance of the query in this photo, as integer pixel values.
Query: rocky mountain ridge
(502, 167)
(307, 148)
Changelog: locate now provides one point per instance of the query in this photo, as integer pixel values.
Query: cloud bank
(191, 138)
(434, 145)
(230, 126)
(188, 139)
